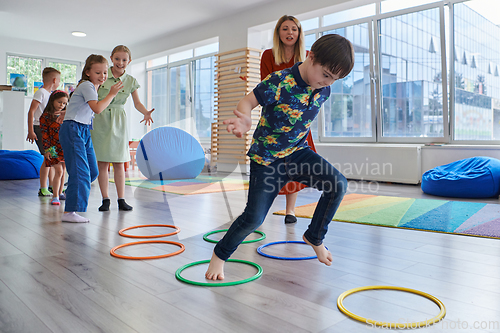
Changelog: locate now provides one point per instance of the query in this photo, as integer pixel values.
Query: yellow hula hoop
(425, 323)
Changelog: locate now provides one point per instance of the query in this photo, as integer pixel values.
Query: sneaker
(74, 218)
(55, 202)
(44, 193)
(51, 190)
(62, 196)
(290, 219)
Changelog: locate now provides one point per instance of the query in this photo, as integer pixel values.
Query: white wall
(399, 163)
(433, 156)
(40, 49)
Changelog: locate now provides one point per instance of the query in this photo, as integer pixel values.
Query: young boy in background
(51, 78)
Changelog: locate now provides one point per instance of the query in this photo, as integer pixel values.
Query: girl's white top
(78, 108)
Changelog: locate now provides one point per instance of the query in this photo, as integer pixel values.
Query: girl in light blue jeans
(74, 135)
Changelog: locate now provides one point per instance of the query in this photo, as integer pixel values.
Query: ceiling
(108, 23)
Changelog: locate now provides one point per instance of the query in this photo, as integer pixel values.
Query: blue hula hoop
(259, 251)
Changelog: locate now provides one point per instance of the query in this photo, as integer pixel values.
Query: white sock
(73, 217)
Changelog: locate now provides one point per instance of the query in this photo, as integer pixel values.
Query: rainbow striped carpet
(457, 217)
(199, 185)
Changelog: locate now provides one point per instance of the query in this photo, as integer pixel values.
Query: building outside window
(348, 111)
(476, 82)
(397, 94)
(411, 76)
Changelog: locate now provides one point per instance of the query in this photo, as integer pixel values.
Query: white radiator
(375, 162)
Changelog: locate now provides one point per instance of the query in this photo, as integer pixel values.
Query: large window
(158, 95)
(476, 62)
(348, 111)
(69, 73)
(180, 93)
(32, 68)
(181, 89)
(411, 75)
(204, 92)
(425, 71)
(397, 91)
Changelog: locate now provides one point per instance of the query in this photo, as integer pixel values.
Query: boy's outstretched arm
(31, 113)
(243, 121)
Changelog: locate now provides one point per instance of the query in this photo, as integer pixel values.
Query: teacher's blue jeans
(304, 166)
(80, 162)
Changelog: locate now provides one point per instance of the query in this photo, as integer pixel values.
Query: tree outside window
(30, 67)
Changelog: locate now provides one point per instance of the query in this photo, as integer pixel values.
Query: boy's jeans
(303, 166)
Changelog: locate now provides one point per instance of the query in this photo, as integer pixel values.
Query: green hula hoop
(205, 236)
(222, 284)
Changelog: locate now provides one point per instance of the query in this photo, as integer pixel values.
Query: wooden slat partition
(237, 73)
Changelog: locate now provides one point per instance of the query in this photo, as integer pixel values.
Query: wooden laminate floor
(60, 277)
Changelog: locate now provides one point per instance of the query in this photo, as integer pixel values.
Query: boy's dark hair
(47, 71)
(335, 53)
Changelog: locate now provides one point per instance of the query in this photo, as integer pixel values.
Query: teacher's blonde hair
(279, 47)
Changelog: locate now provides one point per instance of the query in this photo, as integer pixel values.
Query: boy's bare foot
(215, 269)
(323, 254)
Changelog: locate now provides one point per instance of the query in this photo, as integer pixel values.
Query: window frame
(446, 127)
(191, 63)
(373, 23)
(321, 115)
(451, 61)
(9, 54)
(45, 61)
(69, 62)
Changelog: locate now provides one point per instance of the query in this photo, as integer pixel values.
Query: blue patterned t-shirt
(289, 106)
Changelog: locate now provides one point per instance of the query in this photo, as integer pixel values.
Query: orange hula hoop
(114, 254)
(177, 230)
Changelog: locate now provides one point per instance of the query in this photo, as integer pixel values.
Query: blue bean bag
(20, 164)
(167, 153)
(475, 177)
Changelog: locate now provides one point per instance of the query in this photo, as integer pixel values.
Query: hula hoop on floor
(222, 284)
(425, 323)
(177, 230)
(114, 254)
(259, 250)
(205, 236)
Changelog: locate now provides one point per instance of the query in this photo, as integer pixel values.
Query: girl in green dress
(110, 133)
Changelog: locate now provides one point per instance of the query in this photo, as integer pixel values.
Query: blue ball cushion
(475, 177)
(20, 164)
(169, 153)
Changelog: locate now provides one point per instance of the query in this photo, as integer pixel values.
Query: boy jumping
(290, 101)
